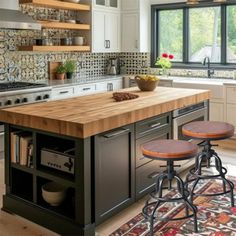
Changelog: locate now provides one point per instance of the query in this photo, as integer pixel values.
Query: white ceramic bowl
(53, 193)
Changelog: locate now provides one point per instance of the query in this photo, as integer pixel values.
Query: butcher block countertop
(93, 114)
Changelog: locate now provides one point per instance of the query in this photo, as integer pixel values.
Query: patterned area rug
(215, 216)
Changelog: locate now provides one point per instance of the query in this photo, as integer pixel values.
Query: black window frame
(186, 64)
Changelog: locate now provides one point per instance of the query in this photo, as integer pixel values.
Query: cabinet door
(114, 172)
(60, 93)
(216, 111)
(130, 22)
(117, 84)
(100, 2)
(98, 31)
(112, 31)
(144, 182)
(106, 4)
(114, 4)
(130, 5)
(231, 114)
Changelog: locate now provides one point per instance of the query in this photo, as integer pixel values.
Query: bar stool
(169, 151)
(208, 131)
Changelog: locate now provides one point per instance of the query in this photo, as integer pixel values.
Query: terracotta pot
(60, 76)
(146, 85)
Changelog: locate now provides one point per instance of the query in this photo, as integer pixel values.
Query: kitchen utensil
(113, 67)
(79, 40)
(66, 41)
(70, 21)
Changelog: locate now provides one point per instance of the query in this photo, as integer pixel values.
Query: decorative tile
(16, 65)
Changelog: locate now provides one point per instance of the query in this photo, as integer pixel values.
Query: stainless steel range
(20, 93)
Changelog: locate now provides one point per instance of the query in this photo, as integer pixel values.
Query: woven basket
(146, 85)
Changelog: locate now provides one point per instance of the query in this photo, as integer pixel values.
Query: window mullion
(185, 35)
(223, 34)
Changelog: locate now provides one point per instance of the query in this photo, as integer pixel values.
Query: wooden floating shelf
(57, 4)
(54, 48)
(62, 25)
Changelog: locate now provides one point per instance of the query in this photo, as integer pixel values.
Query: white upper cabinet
(136, 25)
(130, 32)
(107, 4)
(128, 5)
(106, 31)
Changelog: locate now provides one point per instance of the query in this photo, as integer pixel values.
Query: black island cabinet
(107, 173)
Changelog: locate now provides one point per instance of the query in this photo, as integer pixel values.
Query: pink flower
(165, 55)
(171, 56)
(233, 210)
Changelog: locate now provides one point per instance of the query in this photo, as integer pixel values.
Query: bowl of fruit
(147, 82)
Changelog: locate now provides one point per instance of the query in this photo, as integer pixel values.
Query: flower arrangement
(164, 61)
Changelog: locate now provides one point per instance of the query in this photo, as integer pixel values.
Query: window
(171, 32)
(204, 34)
(192, 33)
(231, 34)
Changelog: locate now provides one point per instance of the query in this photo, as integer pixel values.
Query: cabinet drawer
(85, 89)
(231, 95)
(62, 92)
(140, 159)
(152, 124)
(144, 183)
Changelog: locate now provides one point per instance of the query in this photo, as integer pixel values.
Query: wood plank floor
(12, 225)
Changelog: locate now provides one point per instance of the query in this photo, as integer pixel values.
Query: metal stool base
(195, 174)
(157, 195)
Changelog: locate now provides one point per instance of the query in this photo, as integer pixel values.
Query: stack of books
(22, 148)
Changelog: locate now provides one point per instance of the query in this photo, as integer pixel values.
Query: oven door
(179, 122)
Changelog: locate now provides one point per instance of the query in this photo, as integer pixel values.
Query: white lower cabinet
(81, 90)
(64, 92)
(231, 114)
(216, 112)
(85, 89)
(109, 86)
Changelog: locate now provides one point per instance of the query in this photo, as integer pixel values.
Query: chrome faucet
(209, 70)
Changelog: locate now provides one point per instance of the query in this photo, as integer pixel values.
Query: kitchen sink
(214, 85)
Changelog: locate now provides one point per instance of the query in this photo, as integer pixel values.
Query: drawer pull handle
(115, 133)
(63, 92)
(154, 125)
(85, 89)
(153, 175)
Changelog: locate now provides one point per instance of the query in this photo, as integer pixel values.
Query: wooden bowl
(146, 85)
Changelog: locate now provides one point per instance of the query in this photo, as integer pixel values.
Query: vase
(165, 72)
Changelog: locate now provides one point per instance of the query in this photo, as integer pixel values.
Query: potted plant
(60, 72)
(164, 62)
(70, 67)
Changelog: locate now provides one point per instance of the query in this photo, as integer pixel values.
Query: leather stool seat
(213, 130)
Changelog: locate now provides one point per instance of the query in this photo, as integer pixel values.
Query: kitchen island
(98, 140)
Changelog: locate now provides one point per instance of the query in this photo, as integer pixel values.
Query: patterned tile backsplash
(16, 65)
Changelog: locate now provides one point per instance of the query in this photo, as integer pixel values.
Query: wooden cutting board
(52, 65)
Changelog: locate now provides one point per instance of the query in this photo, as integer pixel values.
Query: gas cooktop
(11, 86)
(19, 93)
